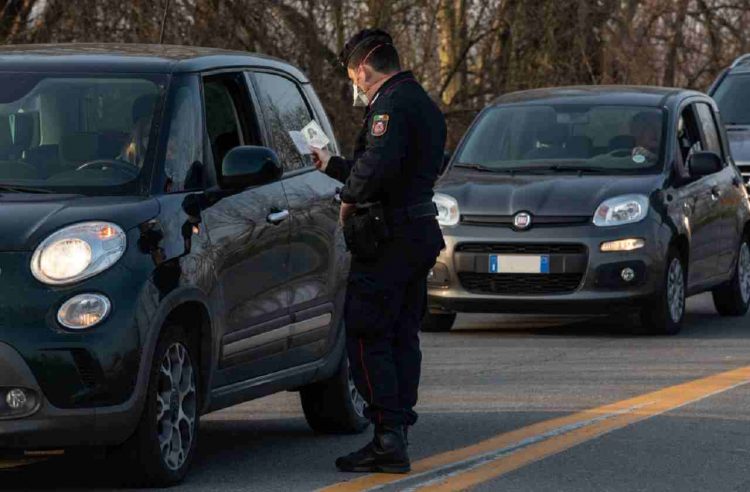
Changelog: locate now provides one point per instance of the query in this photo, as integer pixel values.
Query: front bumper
(51, 427)
(599, 289)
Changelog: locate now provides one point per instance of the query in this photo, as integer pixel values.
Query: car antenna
(164, 23)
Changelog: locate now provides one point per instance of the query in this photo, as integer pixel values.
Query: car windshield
(731, 97)
(83, 134)
(559, 138)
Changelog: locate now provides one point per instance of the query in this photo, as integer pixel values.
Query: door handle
(277, 217)
(716, 192)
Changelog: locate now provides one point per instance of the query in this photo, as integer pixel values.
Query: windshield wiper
(578, 169)
(511, 170)
(23, 189)
(475, 167)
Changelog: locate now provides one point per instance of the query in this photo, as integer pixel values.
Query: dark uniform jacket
(399, 150)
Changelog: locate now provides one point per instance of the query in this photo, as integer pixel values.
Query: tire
(664, 315)
(733, 297)
(149, 457)
(334, 406)
(438, 322)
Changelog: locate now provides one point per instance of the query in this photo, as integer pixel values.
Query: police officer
(397, 158)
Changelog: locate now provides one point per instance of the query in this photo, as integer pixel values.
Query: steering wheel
(105, 163)
(620, 152)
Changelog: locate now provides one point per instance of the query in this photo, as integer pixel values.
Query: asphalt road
(509, 403)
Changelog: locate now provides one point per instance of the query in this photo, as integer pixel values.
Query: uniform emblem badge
(522, 220)
(379, 125)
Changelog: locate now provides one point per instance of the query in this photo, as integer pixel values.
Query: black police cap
(362, 38)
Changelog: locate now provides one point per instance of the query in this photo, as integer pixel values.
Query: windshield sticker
(639, 159)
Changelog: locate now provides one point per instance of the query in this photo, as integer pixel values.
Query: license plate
(519, 263)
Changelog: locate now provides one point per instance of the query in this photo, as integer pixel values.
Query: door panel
(696, 202)
(314, 216)
(251, 251)
(724, 195)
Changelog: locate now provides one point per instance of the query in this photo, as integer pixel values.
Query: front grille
(522, 248)
(520, 283)
(537, 220)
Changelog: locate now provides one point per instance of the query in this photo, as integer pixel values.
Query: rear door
(725, 193)
(251, 251)
(314, 211)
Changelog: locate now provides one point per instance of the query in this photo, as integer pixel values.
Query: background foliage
(465, 52)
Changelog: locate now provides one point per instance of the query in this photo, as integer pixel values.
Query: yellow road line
(553, 436)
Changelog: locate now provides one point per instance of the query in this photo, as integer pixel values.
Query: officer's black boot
(386, 453)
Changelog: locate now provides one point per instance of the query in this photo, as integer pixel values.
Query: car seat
(578, 146)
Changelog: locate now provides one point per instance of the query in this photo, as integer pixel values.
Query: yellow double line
(466, 467)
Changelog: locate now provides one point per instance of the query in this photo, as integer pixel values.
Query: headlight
(78, 252)
(447, 209)
(620, 210)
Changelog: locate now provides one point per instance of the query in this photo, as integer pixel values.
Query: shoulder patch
(379, 125)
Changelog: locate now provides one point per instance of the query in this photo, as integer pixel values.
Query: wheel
(334, 406)
(733, 298)
(162, 448)
(664, 315)
(437, 322)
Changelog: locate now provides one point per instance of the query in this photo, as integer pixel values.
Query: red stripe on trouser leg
(367, 376)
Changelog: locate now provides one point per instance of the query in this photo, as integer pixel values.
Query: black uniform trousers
(385, 303)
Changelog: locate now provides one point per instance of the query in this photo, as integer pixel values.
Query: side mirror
(704, 163)
(250, 166)
(446, 160)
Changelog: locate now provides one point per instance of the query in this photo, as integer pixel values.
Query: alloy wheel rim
(743, 271)
(676, 290)
(176, 406)
(356, 397)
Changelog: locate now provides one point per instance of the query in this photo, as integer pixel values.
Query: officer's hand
(320, 158)
(347, 209)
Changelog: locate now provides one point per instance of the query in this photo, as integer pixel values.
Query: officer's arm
(339, 168)
(381, 161)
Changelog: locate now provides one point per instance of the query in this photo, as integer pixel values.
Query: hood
(482, 193)
(739, 143)
(26, 219)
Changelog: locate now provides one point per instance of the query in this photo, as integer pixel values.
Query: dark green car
(165, 251)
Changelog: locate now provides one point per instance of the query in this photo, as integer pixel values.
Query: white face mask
(360, 97)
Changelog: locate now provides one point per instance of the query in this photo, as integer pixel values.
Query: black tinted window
(732, 98)
(222, 119)
(284, 110)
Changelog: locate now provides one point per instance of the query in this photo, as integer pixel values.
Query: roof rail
(741, 60)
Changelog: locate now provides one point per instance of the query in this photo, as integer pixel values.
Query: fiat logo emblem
(522, 220)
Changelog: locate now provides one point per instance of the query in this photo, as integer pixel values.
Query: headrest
(143, 107)
(578, 146)
(79, 147)
(649, 119)
(622, 142)
(22, 125)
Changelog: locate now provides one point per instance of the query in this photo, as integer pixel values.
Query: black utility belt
(369, 227)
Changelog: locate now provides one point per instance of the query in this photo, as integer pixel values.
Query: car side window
(230, 116)
(284, 109)
(709, 130)
(688, 135)
(183, 158)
